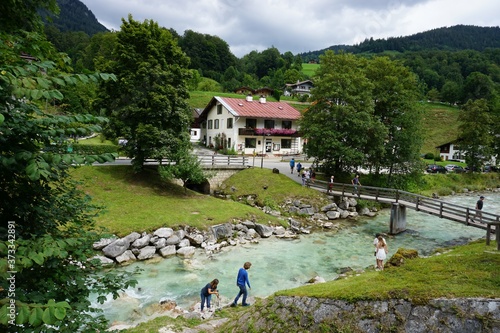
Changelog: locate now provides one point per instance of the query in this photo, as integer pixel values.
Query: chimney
(262, 99)
(249, 98)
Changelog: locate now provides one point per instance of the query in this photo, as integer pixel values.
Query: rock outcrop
(306, 314)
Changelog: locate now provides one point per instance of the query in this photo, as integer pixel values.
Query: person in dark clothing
(207, 292)
(355, 181)
(242, 281)
(299, 167)
(479, 207)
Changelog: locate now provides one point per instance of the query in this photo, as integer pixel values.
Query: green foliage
(475, 123)
(340, 126)
(186, 167)
(48, 239)
(429, 156)
(155, 117)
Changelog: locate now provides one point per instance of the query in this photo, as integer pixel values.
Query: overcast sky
(298, 26)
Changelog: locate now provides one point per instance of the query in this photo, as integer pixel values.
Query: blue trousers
(244, 292)
(203, 299)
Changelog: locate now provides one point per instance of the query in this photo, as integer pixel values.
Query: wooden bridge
(402, 199)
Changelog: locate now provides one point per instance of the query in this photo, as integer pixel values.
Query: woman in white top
(381, 252)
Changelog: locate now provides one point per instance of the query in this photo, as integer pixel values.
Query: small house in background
(299, 88)
(253, 92)
(450, 151)
(251, 126)
(195, 130)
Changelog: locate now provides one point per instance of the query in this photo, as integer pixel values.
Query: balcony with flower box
(269, 132)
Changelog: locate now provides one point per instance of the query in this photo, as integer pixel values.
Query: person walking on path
(299, 167)
(292, 165)
(355, 181)
(479, 208)
(381, 252)
(330, 184)
(242, 281)
(207, 292)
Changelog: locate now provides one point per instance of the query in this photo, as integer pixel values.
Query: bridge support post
(398, 219)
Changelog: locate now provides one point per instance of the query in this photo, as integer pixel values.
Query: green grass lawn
(142, 202)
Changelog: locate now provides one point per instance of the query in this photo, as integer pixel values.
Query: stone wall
(305, 314)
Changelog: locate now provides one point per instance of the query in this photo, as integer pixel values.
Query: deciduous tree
(47, 223)
(147, 105)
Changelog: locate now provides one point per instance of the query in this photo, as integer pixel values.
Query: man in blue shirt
(242, 281)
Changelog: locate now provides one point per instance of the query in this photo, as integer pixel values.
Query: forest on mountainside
(455, 38)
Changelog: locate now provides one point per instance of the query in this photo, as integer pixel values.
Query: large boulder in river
(223, 231)
(102, 243)
(116, 248)
(263, 230)
(132, 237)
(125, 256)
(186, 252)
(164, 232)
(104, 260)
(195, 238)
(167, 251)
(141, 242)
(173, 240)
(146, 252)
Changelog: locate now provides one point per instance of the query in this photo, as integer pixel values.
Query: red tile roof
(273, 110)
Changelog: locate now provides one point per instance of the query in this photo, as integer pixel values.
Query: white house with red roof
(251, 126)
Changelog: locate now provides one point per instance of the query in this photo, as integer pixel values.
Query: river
(282, 264)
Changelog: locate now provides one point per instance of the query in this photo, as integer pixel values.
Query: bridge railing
(223, 160)
(211, 160)
(430, 205)
(450, 211)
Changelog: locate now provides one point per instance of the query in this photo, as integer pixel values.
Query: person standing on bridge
(479, 208)
(292, 165)
(355, 181)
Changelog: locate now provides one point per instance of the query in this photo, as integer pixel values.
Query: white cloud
(298, 26)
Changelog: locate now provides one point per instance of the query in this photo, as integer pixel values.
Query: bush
(429, 156)
(438, 159)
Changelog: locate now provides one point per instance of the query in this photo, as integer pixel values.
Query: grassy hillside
(440, 125)
(143, 202)
(309, 69)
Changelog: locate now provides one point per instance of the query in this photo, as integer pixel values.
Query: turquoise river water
(283, 264)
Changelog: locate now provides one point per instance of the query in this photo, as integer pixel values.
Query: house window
(268, 123)
(286, 143)
(251, 123)
(228, 142)
(216, 123)
(250, 142)
(230, 123)
(286, 124)
(219, 109)
(210, 124)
